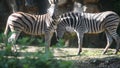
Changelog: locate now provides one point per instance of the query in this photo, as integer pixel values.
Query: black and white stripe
(32, 24)
(91, 23)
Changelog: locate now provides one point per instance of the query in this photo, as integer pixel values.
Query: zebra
(32, 24)
(90, 23)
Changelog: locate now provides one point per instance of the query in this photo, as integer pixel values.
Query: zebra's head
(78, 7)
(60, 29)
(53, 5)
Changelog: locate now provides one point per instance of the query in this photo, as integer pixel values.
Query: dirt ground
(89, 58)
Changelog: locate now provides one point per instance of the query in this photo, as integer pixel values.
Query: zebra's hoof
(116, 52)
(104, 52)
(78, 53)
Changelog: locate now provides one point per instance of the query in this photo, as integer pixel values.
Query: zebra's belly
(95, 32)
(34, 32)
(69, 29)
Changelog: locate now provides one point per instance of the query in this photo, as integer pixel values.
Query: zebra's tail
(6, 29)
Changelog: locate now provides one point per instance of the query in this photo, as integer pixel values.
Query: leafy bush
(39, 59)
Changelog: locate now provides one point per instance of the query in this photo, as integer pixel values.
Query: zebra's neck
(51, 9)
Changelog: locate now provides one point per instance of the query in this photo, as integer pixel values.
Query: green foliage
(25, 41)
(39, 59)
(60, 43)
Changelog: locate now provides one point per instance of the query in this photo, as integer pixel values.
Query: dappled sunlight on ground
(89, 57)
(69, 52)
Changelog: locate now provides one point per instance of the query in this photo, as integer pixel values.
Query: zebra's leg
(118, 45)
(12, 39)
(48, 36)
(80, 42)
(117, 40)
(59, 34)
(109, 41)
